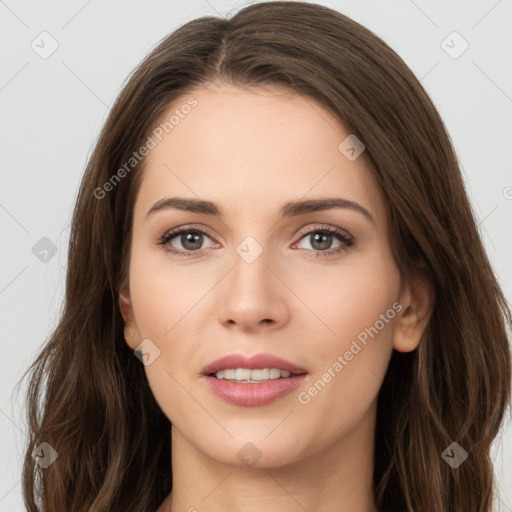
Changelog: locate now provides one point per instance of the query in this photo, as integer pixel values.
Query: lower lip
(251, 394)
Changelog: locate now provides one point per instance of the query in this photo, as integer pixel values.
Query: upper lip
(257, 361)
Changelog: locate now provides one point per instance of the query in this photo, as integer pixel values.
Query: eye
(321, 238)
(190, 238)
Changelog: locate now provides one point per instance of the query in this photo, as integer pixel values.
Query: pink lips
(253, 394)
(252, 363)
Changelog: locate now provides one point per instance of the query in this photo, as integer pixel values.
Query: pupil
(190, 239)
(323, 244)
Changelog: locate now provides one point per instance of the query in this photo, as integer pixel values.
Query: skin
(249, 151)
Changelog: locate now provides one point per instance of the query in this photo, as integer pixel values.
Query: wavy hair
(88, 396)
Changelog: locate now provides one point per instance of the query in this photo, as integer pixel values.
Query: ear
(417, 301)
(131, 333)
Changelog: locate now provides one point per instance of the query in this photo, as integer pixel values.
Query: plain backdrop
(53, 106)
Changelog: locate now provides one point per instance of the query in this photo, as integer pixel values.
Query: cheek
(351, 360)
(161, 303)
(352, 297)
(163, 294)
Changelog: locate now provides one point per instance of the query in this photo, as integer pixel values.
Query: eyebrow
(289, 209)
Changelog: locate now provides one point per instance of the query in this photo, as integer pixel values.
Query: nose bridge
(251, 266)
(252, 293)
(257, 256)
(251, 250)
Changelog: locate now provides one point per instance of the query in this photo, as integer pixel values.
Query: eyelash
(347, 241)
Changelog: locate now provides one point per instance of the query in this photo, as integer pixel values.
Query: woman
(274, 222)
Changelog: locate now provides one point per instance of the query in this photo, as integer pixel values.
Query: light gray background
(52, 111)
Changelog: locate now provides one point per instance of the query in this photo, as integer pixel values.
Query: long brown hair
(88, 396)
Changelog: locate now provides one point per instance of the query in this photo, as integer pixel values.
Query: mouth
(252, 381)
(253, 376)
(257, 367)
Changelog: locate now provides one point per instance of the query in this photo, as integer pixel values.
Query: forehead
(253, 148)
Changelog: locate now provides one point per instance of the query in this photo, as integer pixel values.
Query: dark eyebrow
(293, 208)
(289, 209)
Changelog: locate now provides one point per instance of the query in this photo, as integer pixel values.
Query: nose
(253, 295)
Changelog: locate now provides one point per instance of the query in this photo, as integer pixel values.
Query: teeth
(229, 374)
(247, 375)
(274, 373)
(242, 374)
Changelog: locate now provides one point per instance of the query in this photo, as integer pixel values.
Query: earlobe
(125, 305)
(418, 304)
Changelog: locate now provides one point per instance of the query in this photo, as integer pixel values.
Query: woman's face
(260, 282)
